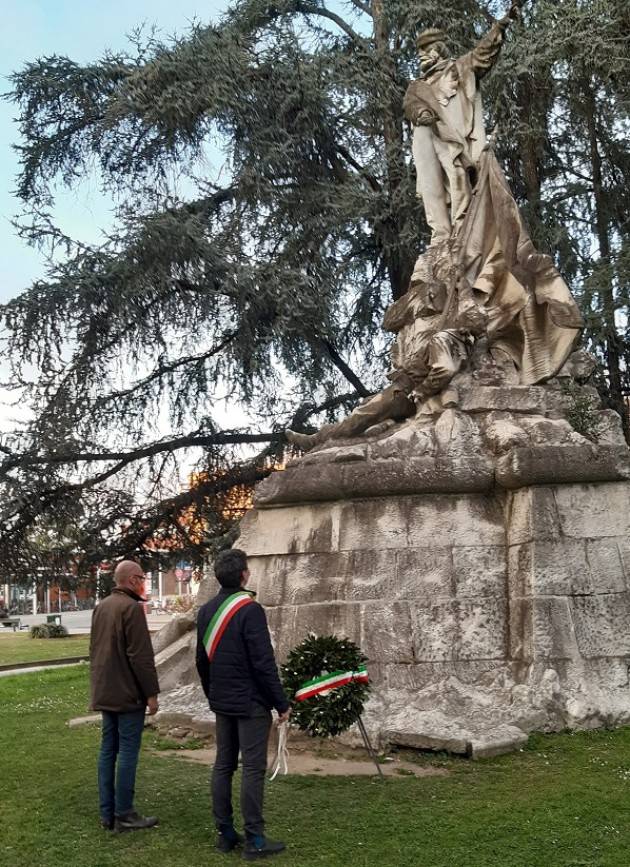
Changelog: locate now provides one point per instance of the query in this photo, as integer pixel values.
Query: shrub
(583, 411)
(48, 630)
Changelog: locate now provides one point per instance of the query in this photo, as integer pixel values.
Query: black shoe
(261, 847)
(133, 822)
(228, 841)
(107, 824)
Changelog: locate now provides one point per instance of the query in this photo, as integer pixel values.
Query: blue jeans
(120, 744)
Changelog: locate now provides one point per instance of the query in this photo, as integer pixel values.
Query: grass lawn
(20, 647)
(562, 802)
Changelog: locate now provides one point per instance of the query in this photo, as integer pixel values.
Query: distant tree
(266, 215)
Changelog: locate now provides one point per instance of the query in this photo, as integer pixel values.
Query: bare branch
(344, 368)
(307, 9)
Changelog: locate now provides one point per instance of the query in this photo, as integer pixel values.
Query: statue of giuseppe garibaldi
(481, 283)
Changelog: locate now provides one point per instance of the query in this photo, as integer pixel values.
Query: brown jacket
(122, 667)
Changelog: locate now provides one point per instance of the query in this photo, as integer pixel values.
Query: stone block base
(484, 615)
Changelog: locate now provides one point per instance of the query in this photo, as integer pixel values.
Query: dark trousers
(117, 762)
(250, 736)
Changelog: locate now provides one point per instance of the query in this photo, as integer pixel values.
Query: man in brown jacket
(124, 686)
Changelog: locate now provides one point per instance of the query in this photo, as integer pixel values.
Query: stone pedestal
(484, 616)
(486, 577)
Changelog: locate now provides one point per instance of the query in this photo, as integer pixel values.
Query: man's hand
(152, 705)
(284, 717)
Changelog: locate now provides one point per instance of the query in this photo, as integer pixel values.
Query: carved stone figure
(481, 280)
(445, 109)
(425, 355)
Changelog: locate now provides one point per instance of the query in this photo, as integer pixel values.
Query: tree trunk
(611, 345)
(399, 260)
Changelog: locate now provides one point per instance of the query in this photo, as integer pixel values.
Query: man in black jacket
(239, 676)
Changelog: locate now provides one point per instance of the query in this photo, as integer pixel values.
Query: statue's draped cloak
(531, 313)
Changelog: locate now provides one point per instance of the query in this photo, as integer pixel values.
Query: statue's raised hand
(514, 12)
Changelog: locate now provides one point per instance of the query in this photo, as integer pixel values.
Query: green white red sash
(221, 619)
(327, 682)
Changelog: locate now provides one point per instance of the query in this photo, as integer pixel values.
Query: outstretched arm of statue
(484, 55)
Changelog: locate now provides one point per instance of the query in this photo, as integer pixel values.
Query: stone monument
(469, 526)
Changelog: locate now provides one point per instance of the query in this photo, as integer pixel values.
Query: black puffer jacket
(243, 669)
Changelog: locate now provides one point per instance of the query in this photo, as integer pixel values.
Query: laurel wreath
(327, 715)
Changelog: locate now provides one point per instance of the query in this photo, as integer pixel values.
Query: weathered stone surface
(460, 629)
(542, 628)
(610, 428)
(546, 465)
(605, 565)
(405, 440)
(480, 571)
(532, 513)
(501, 740)
(175, 664)
(293, 623)
(172, 631)
(479, 674)
(299, 484)
(403, 522)
(424, 574)
(502, 435)
(386, 633)
(413, 476)
(301, 529)
(549, 568)
(376, 478)
(547, 432)
(515, 399)
(458, 521)
(456, 434)
(302, 578)
(602, 625)
(337, 455)
(439, 742)
(624, 552)
(376, 524)
(183, 704)
(594, 511)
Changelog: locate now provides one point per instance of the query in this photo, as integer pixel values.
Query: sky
(82, 30)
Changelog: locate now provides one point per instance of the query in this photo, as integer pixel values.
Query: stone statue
(425, 356)
(446, 112)
(481, 295)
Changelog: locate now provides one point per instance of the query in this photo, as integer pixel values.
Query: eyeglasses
(139, 577)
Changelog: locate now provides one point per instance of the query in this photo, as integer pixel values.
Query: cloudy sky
(82, 31)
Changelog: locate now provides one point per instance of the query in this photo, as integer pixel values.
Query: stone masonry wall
(413, 580)
(477, 611)
(569, 590)
(484, 615)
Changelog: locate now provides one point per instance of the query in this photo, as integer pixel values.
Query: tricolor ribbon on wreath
(327, 682)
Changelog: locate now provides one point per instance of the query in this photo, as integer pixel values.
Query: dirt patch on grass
(305, 762)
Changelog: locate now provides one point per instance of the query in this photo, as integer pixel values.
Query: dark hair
(229, 567)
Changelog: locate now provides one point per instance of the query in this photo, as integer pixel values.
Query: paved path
(28, 670)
